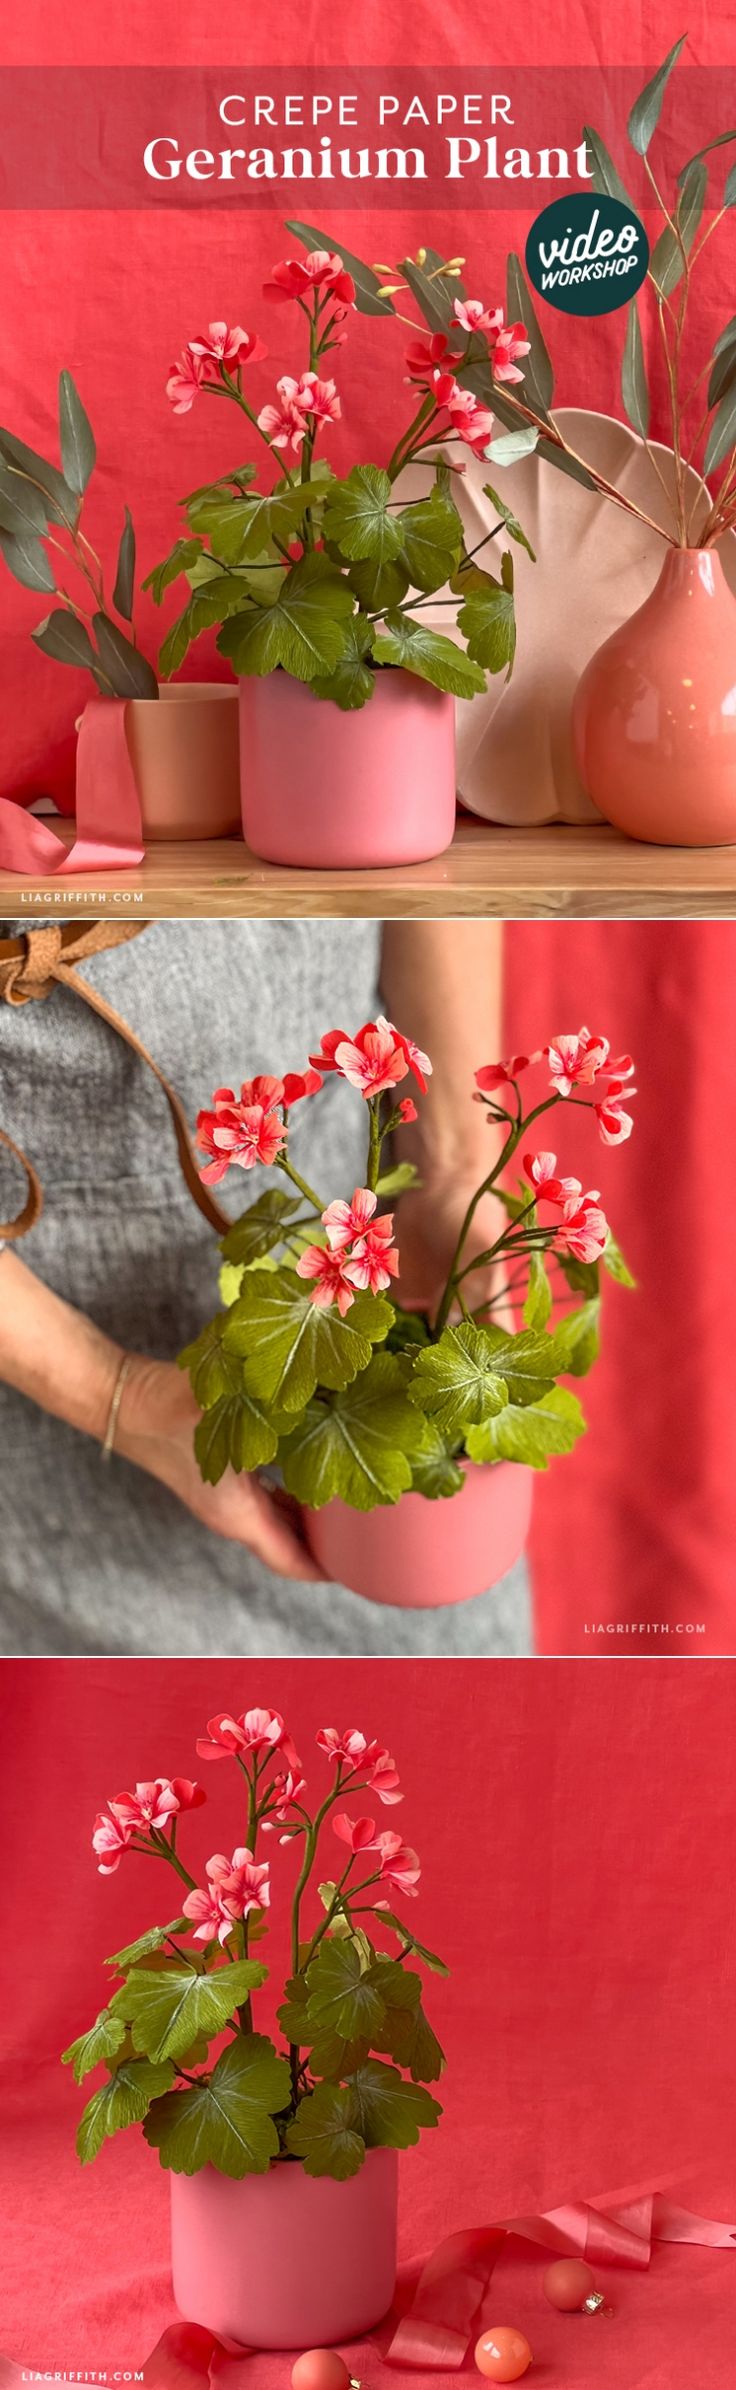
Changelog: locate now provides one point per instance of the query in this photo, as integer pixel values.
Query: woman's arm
(60, 1360)
(441, 983)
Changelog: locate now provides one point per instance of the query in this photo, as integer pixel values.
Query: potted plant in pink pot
(182, 753)
(282, 2153)
(319, 584)
(409, 1441)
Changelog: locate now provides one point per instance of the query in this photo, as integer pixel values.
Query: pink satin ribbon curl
(446, 2310)
(109, 828)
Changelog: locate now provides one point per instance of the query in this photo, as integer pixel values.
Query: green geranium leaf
(226, 2121)
(209, 605)
(352, 683)
(102, 2041)
(28, 562)
(513, 526)
(288, 1346)
(435, 1471)
(124, 590)
(147, 1943)
(261, 1227)
(167, 2011)
(577, 1339)
(331, 2054)
(539, 380)
(130, 672)
(214, 1371)
(613, 1261)
(488, 622)
(634, 386)
(432, 537)
(396, 1180)
(122, 2101)
(78, 450)
(303, 629)
(180, 559)
(367, 285)
(408, 2037)
(645, 113)
(324, 2135)
(428, 653)
(605, 176)
(526, 1362)
(342, 1995)
(538, 1304)
(387, 2112)
(66, 639)
(360, 1446)
(531, 1435)
(379, 583)
(249, 526)
(456, 1381)
(357, 516)
(666, 265)
(428, 1957)
(235, 1433)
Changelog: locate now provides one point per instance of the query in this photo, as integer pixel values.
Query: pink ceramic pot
(281, 2261)
(184, 752)
(422, 1555)
(654, 715)
(327, 790)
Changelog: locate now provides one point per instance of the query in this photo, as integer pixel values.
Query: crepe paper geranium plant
(310, 1366)
(323, 576)
(701, 394)
(43, 542)
(357, 2050)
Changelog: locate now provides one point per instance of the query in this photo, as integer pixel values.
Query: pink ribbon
(446, 2311)
(109, 828)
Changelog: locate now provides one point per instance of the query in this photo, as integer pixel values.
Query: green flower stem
(308, 1192)
(402, 452)
(233, 392)
(511, 1142)
(375, 1142)
(159, 1848)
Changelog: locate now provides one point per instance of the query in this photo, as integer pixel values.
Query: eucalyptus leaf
(123, 592)
(537, 368)
(723, 369)
(645, 114)
(129, 671)
(22, 507)
(634, 387)
(722, 434)
(65, 638)
(666, 264)
(62, 503)
(28, 562)
(605, 176)
(78, 450)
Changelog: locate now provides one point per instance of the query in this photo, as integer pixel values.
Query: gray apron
(105, 1559)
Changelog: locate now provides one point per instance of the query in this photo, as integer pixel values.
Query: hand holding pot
(155, 1429)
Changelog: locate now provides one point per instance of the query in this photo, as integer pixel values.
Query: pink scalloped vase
(654, 715)
(184, 750)
(283, 2260)
(417, 1554)
(326, 790)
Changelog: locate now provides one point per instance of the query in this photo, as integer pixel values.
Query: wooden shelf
(558, 872)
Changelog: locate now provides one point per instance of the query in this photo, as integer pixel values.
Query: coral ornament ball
(502, 2354)
(567, 2283)
(320, 2369)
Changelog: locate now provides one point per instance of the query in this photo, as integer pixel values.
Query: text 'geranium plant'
(324, 576)
(313, 1363)
(357, 2050)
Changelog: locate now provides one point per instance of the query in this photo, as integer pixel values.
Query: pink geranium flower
(576, 1061)
(353, 1751)
(398, 1865)
(345, 1221)
(255, 1730)
(383, 1777)
(299, 403)
(474, 317)
(500, 1074)
(234, 1887)
(508, 343)
(110, 1838)
(220, 346)
(614, 1123)
(426, 358)
(331, 1281)
(153, 1804)
(321, 270)
(583, 1229)
(358, 1832)
(372, 1061)
(239, 1134)
(318, 399)
(286, 1789)
(540, 1170)
(374, 1260)
(185, 379)
(419, 1063)
(298, 1084)
(472, 422)
(349, 1748)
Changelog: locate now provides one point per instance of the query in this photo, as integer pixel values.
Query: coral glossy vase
(184, 750)
(417, 1554)
(283, 2260)
(654, 715)
(326, 790)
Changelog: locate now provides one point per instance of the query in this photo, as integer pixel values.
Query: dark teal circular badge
(587, 254)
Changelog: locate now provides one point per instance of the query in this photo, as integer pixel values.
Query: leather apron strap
(30, 968)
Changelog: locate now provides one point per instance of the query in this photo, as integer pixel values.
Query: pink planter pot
(280, 2261)
(422, 1555)
(654, 715)
(326, 790)
(184, 752)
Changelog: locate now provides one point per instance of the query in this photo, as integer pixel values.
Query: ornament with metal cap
(502, 2354)
(569, 2285)
(323, 2369)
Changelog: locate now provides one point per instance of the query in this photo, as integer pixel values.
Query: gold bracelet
(112, 1417)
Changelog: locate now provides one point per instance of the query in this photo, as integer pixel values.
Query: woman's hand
(428, 1223)
(155, 1429)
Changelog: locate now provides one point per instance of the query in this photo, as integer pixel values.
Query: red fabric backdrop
(567, 1825)
(113, 296)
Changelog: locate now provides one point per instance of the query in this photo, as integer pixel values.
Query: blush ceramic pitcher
(326, 790)
(654, 715)
(283, 2260)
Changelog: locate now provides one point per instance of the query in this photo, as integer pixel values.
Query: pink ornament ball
(567, 2283)
(502, 2354)
(320, 2369)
